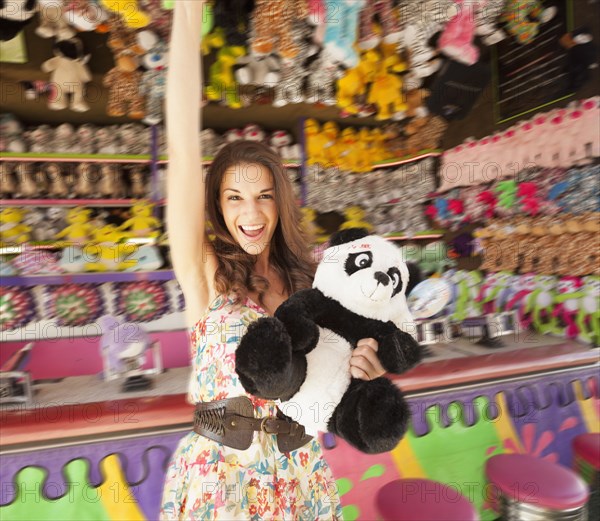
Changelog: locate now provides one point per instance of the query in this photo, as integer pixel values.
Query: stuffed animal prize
(302, 354)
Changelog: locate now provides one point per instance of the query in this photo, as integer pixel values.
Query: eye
(266, 196)
(396, 278)
(358, 261)
(234, 198)
(362, 261)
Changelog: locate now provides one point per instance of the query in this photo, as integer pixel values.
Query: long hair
(289, 252)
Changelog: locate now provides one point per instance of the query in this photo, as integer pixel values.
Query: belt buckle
(263, 425)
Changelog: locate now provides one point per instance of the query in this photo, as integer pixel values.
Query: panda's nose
(382, 278)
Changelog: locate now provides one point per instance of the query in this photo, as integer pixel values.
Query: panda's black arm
(300, 314)
(398, 352)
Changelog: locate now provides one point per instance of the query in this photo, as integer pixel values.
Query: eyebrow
(237, 191)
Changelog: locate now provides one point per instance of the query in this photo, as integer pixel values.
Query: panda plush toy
(301, 356)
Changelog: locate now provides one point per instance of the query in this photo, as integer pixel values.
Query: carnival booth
(467, 133)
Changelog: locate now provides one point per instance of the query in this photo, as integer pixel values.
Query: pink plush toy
(457, 39)
(567, 304)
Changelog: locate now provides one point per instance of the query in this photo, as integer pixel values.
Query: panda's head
(367, 275)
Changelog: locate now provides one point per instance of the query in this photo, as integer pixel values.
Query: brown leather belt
(231, 422)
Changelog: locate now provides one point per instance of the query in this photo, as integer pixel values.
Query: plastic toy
(142, 223)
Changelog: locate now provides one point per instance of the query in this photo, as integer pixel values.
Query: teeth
(252, 228)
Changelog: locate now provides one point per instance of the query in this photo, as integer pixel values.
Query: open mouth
(252, 231)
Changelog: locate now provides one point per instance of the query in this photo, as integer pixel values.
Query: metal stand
(433, 331)
(15, 387)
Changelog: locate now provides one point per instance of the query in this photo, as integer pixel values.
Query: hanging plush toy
(273, 26)
(52, 21)
(123, 83)
(457, 38)
(391, 32)
(154, 82)
(14, 16)
(341, 30)
(69, 73)
(302, 354)
(129, 12)
(524, 17)
(223, 87)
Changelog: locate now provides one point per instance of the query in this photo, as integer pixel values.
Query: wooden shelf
(163, 160)
(408, 159)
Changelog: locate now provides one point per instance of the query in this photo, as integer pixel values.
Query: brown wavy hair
(289, 252)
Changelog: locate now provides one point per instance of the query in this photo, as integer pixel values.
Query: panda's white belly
(327, 378)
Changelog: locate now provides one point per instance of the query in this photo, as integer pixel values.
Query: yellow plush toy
(386, 93)
(316, 141)
(142, 223)
(129, 12)
(107, 254)
(332, 147)
(79, 229)
(12, 230)
(355, 219)
(223, 86)
(313, 231)
(354, 83)
(378, 151)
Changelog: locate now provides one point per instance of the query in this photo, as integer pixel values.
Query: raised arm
(193, 258)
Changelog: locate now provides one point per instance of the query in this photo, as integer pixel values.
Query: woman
(257, 259)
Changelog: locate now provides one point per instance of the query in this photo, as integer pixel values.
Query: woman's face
(247, 202)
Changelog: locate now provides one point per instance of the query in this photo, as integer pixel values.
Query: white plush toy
(302, 354)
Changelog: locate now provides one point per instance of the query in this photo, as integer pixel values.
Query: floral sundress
(207, 480)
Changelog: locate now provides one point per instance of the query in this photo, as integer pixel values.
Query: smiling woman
(250, 202)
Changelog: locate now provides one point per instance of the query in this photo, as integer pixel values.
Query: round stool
(532, 489)
(586, 451)
(586, 462)
(423, 500)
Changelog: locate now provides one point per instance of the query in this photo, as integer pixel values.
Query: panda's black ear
(414, 276)
(349, 235)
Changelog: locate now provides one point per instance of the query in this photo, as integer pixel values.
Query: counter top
(55, 417)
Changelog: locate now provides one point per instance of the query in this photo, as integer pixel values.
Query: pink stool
(423, 500)
(586, 451)
(532, 489)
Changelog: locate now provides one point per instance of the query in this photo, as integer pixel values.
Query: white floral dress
(209, 481)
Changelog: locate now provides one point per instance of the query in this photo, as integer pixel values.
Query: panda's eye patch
(396, 278)
(358, 261)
